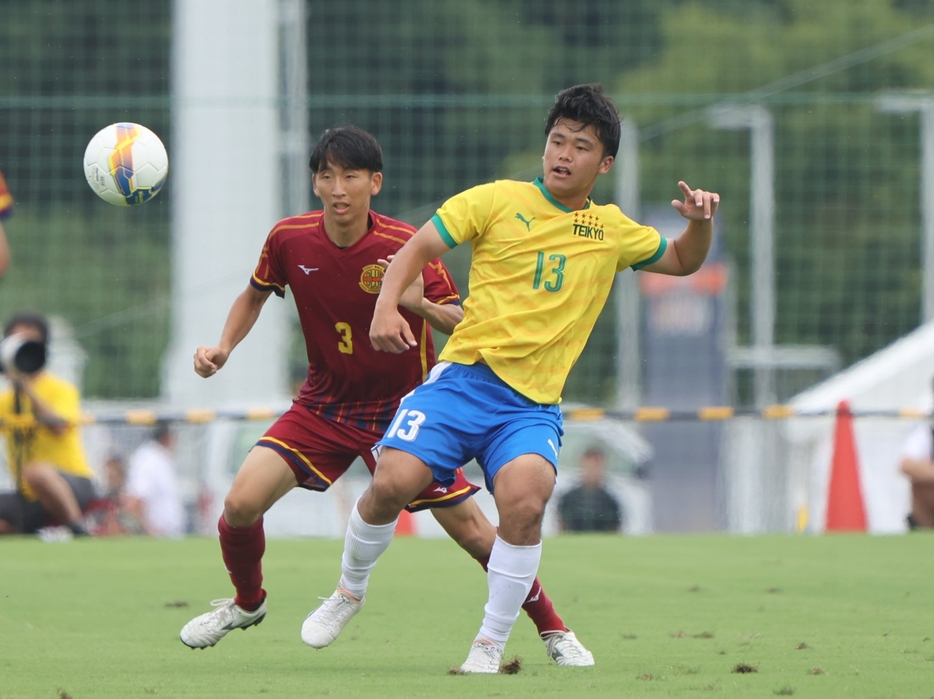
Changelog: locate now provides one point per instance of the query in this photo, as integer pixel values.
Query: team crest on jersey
(371, 278)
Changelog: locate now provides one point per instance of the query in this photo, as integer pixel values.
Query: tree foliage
(456, 92)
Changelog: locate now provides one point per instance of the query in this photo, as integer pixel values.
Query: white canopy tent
(896, 377)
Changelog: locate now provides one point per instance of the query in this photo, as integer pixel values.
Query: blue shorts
(465, 412)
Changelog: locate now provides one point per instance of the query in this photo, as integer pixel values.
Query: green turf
(823, 617)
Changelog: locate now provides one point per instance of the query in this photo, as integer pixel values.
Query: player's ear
(606, 164)
(376, 183)
(314, 183)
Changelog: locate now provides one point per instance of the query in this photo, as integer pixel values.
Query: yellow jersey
(29, 442)
(541, 273)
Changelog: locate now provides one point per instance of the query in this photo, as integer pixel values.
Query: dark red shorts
(319, 451)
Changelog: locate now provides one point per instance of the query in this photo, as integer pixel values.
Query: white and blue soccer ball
(126, 164)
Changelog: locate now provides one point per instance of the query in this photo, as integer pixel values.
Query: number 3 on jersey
(346, 332)
(412, 419)
(558, 272)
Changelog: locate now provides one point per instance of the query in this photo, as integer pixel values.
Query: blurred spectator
(152, 488)
(114, 477)
(6, 210)
(107, 515)
(38, 419)
(590, 507)
(917, 462)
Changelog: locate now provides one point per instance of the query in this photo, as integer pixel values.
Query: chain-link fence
(815, 139)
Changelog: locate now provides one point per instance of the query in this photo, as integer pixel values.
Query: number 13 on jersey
(411, 420)
(554, 274)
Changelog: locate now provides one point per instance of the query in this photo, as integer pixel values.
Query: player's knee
(240, 510)
(531, 510)
(389, 494)
(524, 504)
(521, 519)
(38, 477)
(520, 531)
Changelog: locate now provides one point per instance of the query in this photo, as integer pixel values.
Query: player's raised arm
(243, 314)
(688, 251)
(389, 331)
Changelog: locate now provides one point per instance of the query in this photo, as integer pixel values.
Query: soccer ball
(126, 164)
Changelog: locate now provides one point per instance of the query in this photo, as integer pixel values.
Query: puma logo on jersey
(307, 270)
(528, 223)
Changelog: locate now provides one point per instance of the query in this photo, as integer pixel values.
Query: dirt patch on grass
(743, 668)
(511, 667)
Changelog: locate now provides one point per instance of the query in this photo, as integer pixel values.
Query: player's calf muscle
(467, 525)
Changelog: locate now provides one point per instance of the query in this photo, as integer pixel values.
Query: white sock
(363, 544)
(510, 574)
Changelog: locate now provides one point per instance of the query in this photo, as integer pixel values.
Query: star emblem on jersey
(371, 278)
(587, 225)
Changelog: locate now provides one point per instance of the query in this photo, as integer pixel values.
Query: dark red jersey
(6, 199)
(335, 291)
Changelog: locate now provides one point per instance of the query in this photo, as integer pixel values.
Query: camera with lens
(23, 354)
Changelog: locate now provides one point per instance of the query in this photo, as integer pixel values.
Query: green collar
(541, 185)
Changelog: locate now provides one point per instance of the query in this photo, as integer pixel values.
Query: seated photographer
(38, 416)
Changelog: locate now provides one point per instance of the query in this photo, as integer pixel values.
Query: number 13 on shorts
(406, 425)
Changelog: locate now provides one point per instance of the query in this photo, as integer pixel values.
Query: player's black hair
(588, 105)
(32, 320)
(349, 147)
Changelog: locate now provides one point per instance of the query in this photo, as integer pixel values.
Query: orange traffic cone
(845, 509)
(406, 524)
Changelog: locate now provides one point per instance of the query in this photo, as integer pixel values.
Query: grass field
(842, 616)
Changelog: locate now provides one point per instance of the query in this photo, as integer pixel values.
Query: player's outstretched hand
(389, 331)
(698, 205)
(208, 360)
(413, 297)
